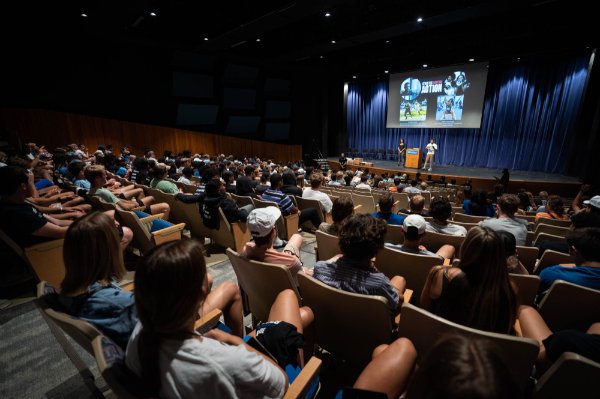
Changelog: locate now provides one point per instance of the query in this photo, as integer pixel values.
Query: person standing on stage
(431, 150)
(343, 161)
(401, 152)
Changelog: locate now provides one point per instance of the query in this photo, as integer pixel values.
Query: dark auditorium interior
(278, 88)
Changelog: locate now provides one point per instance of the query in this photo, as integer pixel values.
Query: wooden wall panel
(56, 129)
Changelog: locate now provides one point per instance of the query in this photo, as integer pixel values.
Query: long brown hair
(91, 253)
(168, 293)
(481, 296)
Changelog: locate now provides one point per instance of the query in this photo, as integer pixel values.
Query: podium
(414, 158)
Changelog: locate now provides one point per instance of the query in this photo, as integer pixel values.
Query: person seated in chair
(96, 175)
(175, 361)
(261, 223)
(414, 227)
(441, 210)
(313, 192)
(386, 210)
(361, 237)
(416, 205)
(343, 207)
(507, 207)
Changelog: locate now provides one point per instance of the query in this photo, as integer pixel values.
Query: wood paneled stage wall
(55, 129)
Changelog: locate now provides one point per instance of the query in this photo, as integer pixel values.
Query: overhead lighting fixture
(153, 14)
(84, 15)
(518, 58)
(206, 39)
(386, 71)
(471, 59)
(425, 65)
(387, 41)
(258, 39)
(321, 56)
(419, 19)
(327, 14)
(353, 76)
(333, 42)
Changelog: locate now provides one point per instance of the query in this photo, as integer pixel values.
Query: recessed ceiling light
(424, 65)
(84, 15)
(518, 58)
(321, 56)
(419, 19)
(258, 39)
(387, 41)
(471, 59)
(386, 71)
(206, 39)
(353, 76)
(327, 14)
(333, 42)
(153, 14)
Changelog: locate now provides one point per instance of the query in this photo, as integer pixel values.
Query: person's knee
(127, 236)
(379, 350)
(287, 295)
(231, 291)
(307, 316)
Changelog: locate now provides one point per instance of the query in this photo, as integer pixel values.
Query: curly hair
(361, 236)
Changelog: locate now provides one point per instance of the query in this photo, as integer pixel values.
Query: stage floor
(451, 171)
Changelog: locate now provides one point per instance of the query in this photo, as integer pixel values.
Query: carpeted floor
(33, 363)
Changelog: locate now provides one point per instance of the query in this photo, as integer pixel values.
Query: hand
(585, 188)
(223, 337)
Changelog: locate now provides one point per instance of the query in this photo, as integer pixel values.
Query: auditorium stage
(480, 177)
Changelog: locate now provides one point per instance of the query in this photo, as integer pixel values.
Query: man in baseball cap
(262, 226)
(593, 203)
(414, 228)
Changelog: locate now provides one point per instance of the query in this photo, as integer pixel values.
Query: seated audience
(478, 205)
(174, 361)
(361, 237)
(342, 208)
(364, 182)
(441, 210)
(414, 227)
(386, 210)
(513, 263)
(20, 220)
(478, 292)
(186, 177)
(229, 180)
(555, 209)
(416, 205)
(261, 223)
(584, 247)
(412, 189)
(160, 182)
(264, 184)
(507, 207)
(314, 192)
(245, 183)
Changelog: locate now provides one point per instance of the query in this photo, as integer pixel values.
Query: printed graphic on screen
(454, 95)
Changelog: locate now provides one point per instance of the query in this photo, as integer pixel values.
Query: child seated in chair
(175, 361)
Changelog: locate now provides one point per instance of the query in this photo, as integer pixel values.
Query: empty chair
(365, 201)
(570, 306)
(541, 237)
(527, 287)
(233, 235)
(346, 324)
(414, 268)
(262, 282)
(424, 329)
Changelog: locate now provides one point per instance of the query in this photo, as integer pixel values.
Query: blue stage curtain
(528, 117)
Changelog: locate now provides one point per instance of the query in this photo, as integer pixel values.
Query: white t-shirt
(450, 229)
(431, 148)
(206, 368)
(323, 198)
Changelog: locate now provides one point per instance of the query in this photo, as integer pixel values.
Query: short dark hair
(509, 203)
(248, 170)
(413, 183)
(289, 178)
(342, 208)
(361, 236)
(440, 208)
(386, 202)
(188, 171)
(587, 242)
(11, 177)
(275, 179)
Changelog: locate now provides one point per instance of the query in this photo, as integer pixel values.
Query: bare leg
(446, 251)
(389, 371)
(296, 241)
(594, 329)
(227, 298)
(533, 326)
(399, 283)
(163, 207)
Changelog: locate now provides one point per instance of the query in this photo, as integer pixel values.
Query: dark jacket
(209, 209)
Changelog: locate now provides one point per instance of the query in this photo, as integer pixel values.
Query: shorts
(291, 249)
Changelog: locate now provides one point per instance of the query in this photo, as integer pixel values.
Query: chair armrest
(357, 207)
(291, 224)
(208, 321)
(241, 235)
(128, 286)
(151, 218)
(408, 293)
(167, 234)
(302, 383)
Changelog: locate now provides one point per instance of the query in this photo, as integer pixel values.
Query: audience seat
(528, 257)
(571, 375)
(434, 241)
(527, 288)
(552, 258)
(327, 246)
(394, 234)
(570, 306)
(286, 225)
(143, 239)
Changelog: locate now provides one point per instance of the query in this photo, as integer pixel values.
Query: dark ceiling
(370, 35)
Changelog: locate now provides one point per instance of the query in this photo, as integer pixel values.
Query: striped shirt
(352, 276)
(277, 196)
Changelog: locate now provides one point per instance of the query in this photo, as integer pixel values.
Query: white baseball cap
(414, 221)
(594, 201)
(261, 221)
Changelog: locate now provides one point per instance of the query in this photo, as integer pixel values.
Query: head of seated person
(510, 250)
(159, 171)
(584, 245)
(508, 204)
(417, 203)
(96, 175)
(261, 224)
(17, 184)
(556, 205)
(361, 237)
(481, 295)
(386, 203)
(414, 229)
(461, 367)
(440, 210)
(316, 180)
(342, 208)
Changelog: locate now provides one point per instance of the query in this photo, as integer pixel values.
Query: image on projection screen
(449, 97)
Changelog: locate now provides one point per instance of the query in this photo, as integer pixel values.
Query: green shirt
(105, 194)
(165, 186)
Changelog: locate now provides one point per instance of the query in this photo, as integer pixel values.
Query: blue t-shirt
(390, 218)
(82, 183)
(581, 275)
(41, 184)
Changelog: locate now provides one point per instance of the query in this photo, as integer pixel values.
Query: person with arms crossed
(431, 150)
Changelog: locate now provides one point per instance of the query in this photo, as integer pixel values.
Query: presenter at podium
(431, 150)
